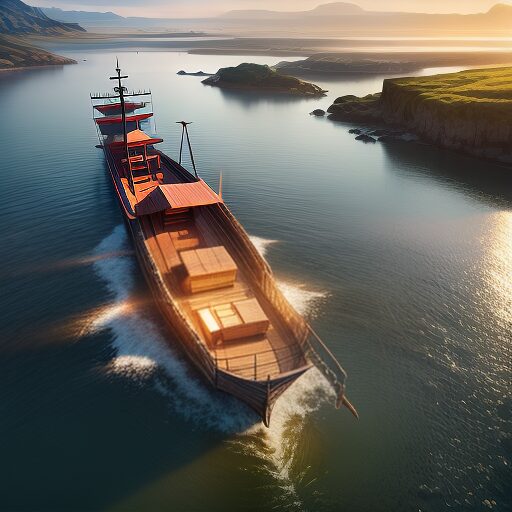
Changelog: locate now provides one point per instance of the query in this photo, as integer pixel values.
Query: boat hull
(259, 395)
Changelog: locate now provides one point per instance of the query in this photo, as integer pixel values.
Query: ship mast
(120, 89)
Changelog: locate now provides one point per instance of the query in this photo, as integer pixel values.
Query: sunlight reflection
(499, 263)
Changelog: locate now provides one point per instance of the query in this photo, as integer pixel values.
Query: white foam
(142, 348)
(262, 244)
(303, 300)
(142, 351)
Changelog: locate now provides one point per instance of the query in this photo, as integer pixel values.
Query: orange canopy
(177, 195)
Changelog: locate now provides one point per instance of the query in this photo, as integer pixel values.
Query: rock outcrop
(260, 78)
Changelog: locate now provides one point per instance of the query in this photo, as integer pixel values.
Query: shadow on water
(14, 75)
(250, 99)
(69, 418)
(353, 77)
(464, 173)
(56, 446)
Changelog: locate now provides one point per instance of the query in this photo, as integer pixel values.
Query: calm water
(400, 255)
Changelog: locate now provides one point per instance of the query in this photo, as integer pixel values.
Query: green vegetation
(261, 78)
(486, 92)
(469, 111)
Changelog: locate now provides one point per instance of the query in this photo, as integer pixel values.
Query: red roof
(177, 195)
(119, 119)
(115, 108)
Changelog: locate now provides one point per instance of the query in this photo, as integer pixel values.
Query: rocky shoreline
(16, 54)
(467, 111)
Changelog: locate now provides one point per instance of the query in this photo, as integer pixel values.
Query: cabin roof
(177, 195)
(136, 138)
(119, 119)
(129, 106)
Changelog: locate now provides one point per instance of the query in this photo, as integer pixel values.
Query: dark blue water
(400, 255)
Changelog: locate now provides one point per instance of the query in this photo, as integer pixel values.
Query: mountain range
(17, 21)
(331, 19)
(18, 18)
(331, 9)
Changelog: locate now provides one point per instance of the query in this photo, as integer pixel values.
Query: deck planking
(251, 358)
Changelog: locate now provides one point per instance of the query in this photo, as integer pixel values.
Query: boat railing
(256, 265)
(326, 361)
(254, 366)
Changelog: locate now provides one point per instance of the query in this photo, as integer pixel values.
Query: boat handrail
(309, 340)
(257, 368)
(293, 353)
(332, 369)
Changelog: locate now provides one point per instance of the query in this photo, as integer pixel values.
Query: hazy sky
(200, 8)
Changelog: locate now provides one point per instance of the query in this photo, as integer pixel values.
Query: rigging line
(191, 154)
(185, 132)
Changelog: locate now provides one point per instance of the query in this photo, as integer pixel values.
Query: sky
(205, 8)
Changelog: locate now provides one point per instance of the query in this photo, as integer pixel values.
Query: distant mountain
(501, 10)
(348, 18)
(336, 9)
(82, 17)
(18, 18)
(331, 9)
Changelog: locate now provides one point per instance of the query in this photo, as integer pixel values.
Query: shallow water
(400, 255)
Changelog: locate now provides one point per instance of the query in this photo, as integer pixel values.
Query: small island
(261, 78)
(469, 111)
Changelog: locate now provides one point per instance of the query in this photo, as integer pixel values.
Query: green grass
(474, 96)
(475, 86)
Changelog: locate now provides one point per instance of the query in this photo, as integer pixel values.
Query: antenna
(220, 185)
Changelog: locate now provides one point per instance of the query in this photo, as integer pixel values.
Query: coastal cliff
(468, 111)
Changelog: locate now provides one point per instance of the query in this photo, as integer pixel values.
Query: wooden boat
(215, 291)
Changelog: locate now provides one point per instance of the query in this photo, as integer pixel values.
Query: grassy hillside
(483, 95)
(469, 111)
(480, 87)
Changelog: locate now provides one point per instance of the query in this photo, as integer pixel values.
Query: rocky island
(468, 111)
(261, 78)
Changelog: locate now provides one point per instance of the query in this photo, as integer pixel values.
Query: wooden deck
(252, 358)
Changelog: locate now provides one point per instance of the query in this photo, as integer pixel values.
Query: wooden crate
(233, 320)
(208, 268)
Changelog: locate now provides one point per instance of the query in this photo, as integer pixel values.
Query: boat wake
(142, 353)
